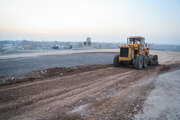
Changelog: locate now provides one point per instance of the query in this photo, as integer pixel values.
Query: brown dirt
(49, 73)
(82, 92)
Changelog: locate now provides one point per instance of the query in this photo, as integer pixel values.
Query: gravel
(164, 101)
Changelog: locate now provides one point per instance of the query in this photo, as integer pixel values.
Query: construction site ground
(94, 92)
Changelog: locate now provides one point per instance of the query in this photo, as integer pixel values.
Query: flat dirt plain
(96, 92)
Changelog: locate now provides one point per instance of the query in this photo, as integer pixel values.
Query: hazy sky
(103, 20)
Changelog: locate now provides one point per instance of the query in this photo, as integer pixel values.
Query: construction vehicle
(136, 52)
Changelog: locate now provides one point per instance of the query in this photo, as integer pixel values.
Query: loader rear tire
(145, 61)
(155, 59)
(138, 63)
(116, 61)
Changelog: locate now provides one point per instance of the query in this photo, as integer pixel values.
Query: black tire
(138, 63)
(116, 61)
(155, 59)
(145, 61)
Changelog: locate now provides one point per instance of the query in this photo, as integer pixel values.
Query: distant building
(28, 45)
(88, 42)
(55, 47)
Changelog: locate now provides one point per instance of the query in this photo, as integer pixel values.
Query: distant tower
(88, 39)
(88, 42)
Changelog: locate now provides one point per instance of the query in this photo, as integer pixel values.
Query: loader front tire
(116, 61)
(138, 63)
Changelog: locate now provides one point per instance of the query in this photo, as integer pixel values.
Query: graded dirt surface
(28, 64)
(96, 92)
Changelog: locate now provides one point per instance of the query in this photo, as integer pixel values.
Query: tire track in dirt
(56, 92)
(85, 95)
(66, 81)
(51, 80)
(80, 92)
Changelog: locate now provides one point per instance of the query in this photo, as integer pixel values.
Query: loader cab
(140, 40)
(138, 43)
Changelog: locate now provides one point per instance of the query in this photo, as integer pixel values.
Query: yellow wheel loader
(136, 53)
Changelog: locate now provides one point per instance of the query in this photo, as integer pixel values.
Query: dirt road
(86, 92)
